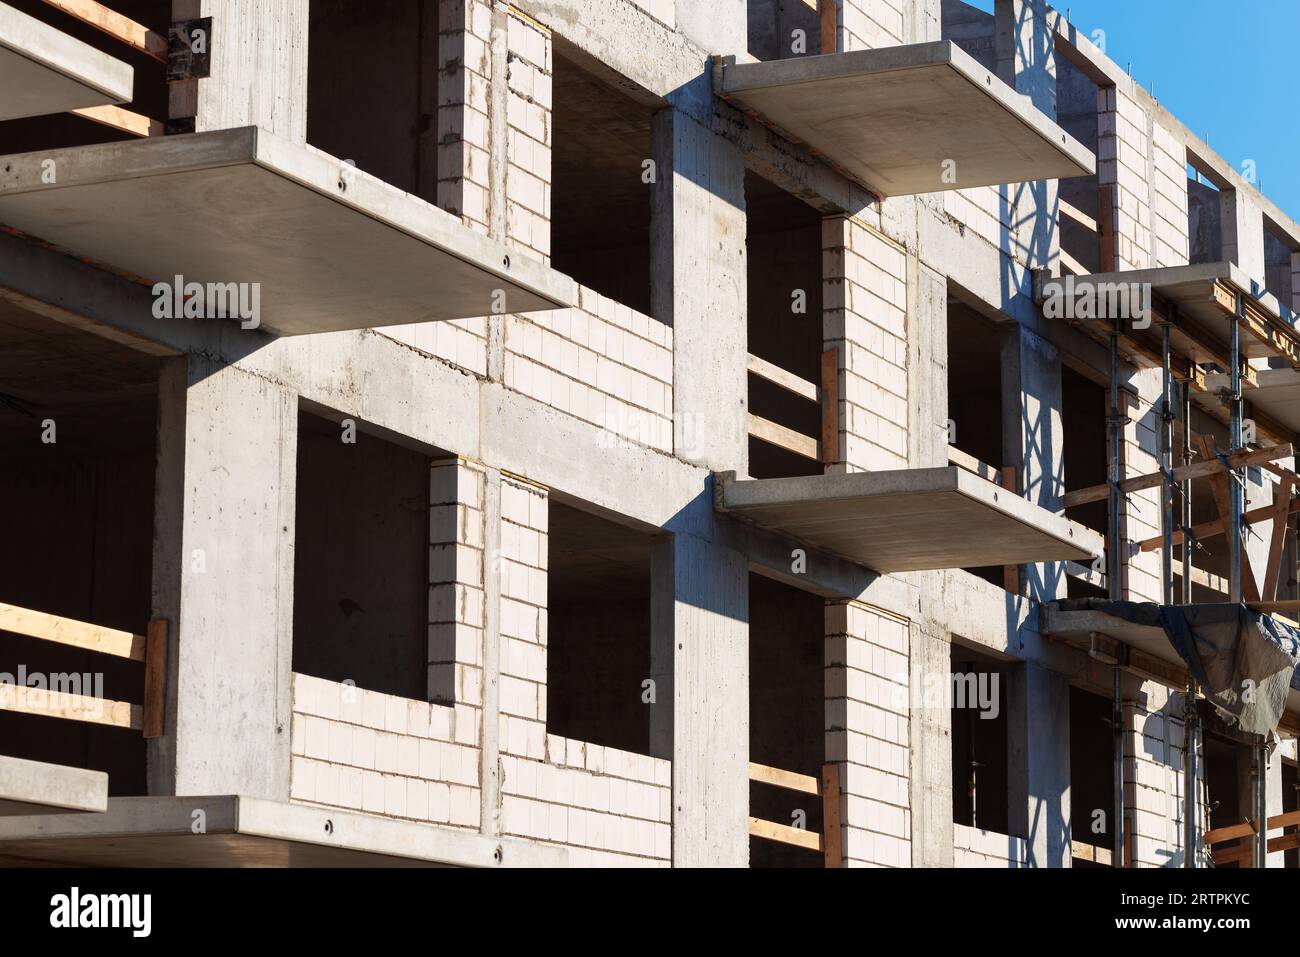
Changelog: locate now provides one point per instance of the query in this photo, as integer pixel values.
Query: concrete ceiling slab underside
(252, 832)
(904, 120)
(331, 247)
(909, 519)
(45, 71)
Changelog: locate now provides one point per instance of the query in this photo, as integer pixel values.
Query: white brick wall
(869, 24)
(864, 300)
(603, 362)
(382, 754)
(1153, 777)
(456, 597)
(1142, 512)
(973, 847)
(1122, 151)
(613, 805)
(867, 731)
(1171, 198)
(528, 136)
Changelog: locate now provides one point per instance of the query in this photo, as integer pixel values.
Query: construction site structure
(635, 432)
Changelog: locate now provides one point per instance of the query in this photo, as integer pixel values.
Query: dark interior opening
(598, 630)
(361, 580)
(1092, 772)
(372, 88)
(787, 713)
(980, 767)
(1204, 219)
(975, 395)
(1277, 266)
(63, 130)
(1076, 113)
(78, 521)
(779, 29)
(600, 200)
(1228, 782)
(784, 307)
(1085, 453)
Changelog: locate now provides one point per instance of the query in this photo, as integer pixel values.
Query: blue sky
(1227, 69)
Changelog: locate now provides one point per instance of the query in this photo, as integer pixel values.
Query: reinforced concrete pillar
(699, 661)
(697, 253)
(223, 577)
(1038, 759)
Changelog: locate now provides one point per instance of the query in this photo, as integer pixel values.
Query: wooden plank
(830, 392)
(1247, 828)
(1078, 215)
(67, 631)
(1223, 502)
(1208, 468)
(1088, 852)
(829, 33)
(790, 780)
(155, 679)
(971, 464)
(775, 434)
(786, 380)
(1277, 541)
(784, 834)
(1215, 527)
(71, 707)
(1274, 607)
(117, 118)
(1244, 853)
(831, 840)
(1076, 267)
(122, 28)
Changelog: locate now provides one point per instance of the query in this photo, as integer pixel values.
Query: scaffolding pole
(1167, 466)
(1191, 717)
(1114, 565)
(1234, 476)
(1261, 805)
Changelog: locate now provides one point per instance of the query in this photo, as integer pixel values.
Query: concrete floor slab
(45, 71)
(909, 519)
(894, 117)
(236, 831)
(332, 247)
(34, 787)
(1276, 393)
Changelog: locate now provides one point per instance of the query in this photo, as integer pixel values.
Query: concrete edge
(66, 55)
(49, 787)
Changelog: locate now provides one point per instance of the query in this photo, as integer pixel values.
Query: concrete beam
(34, 787)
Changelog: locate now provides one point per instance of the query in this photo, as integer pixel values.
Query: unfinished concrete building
(539, 434)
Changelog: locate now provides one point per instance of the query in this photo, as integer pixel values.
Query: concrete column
(259, 67)
(1033, 437)
(1273, 787)
(930, 738)
(927, 380)
(1241, 223)
(1025, 52)
(224, 564)
(719, 27)
(697, 251)
(700, 665)
(1038, 759)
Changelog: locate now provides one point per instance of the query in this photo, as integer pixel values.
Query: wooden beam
(830, 391)
(1216, 527)
(766, 430)
(1088, 852)
(1277, 541)
(125, 121)
(122, 28)
(1210, 467)
(71, 707)
(831, 839)
(829, 31)
(67, 631)
(790, 780)
(1076, 214)
(1223, 502)
(155, 679)
(1242, 853)
(786, 380)
(784, 834)
(973, 465)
